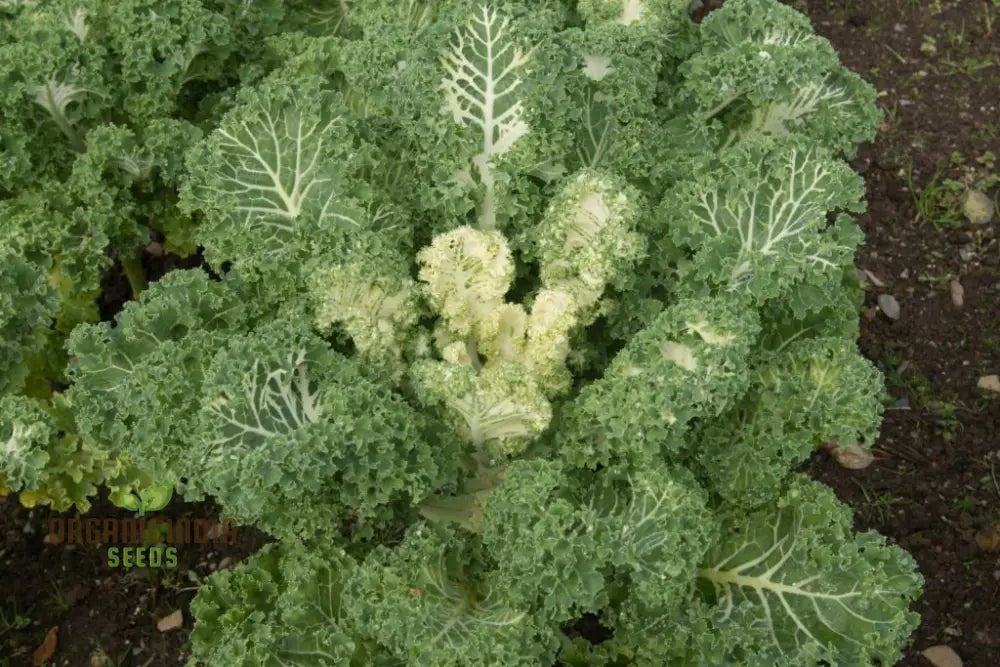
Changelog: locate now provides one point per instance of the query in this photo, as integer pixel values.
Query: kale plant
(512, 313)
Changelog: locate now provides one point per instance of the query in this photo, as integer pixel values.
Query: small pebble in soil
(978, 207)
(888, 305)
(957, 293)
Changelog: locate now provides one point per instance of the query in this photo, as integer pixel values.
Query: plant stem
(134, 273)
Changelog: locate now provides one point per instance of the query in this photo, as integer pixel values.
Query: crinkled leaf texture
(282, 608)
(288, 434)
(27, 308)
(429, 601)
(788, 584)
(49, 464)
(293, 436)
(518, 313)
(27, 430)
(811, 391)
(691, 358)
(805, 588)
(649, 528)
(757, 218)
(136, 385)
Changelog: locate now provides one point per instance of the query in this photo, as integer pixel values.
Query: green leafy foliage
(282, 607)
(50, 464)
(151, 366)
(511, 315)
(797, 615)
(292, 435)
(27, 306)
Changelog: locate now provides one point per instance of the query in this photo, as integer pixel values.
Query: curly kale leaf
(805, 589)
(810, 392)
(429, 601)
(137, 384)
(292, 435)
(756, 218)
(27, 311)
(281, 608)
(691, 358)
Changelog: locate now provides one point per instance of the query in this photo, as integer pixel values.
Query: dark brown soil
(936, 481)
(115, 288)
(100, 610)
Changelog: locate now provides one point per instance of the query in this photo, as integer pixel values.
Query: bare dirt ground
(934, 487)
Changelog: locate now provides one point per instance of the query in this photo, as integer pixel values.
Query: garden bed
(934, 484)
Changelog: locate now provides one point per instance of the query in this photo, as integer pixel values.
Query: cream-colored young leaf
(483, 74)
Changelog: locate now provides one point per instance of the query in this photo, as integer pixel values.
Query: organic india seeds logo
(142, 541)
